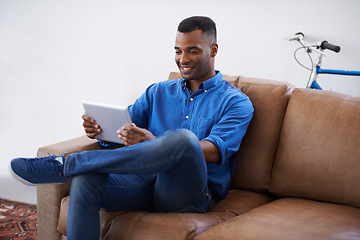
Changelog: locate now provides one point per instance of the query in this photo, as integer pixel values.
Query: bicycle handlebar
(329, 46)
(324, 45)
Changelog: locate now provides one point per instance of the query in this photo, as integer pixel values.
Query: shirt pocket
(203, 127)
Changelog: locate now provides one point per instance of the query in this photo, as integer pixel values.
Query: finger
(88, 127)
(127, 127)
(125, 135)
(91, 134)
(125, 140)
(88, 124)
(87, 118)
(128, 137)
(92, 129)
(134, 128)
(127, 130)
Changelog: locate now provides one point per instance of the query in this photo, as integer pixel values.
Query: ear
(214, 49)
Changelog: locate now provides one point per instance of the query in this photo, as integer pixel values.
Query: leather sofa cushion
(319, 149)
(290, 218)
(145, 225)
(258, 148)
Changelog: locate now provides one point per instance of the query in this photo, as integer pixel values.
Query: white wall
(53, 54)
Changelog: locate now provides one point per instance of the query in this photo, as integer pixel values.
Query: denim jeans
(167, 174)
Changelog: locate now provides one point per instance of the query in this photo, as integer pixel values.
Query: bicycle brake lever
(297, 37)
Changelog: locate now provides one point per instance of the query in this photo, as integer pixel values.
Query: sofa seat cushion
(147, 225)
(290, 218)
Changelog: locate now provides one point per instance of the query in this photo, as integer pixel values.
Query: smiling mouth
(186, 70)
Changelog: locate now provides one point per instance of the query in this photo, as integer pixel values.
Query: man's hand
(91, 128)
(132, 134)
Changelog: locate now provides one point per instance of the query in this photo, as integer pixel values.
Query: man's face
(194, 55)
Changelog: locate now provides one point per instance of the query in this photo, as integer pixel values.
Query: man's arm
(211, 152)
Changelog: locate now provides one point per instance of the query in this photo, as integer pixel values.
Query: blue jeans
(167, 174)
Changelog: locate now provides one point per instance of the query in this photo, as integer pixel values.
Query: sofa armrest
(49, 196)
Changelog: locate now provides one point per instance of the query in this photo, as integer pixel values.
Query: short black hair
(205, 24)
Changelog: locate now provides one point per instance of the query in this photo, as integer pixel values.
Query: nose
(183, 58)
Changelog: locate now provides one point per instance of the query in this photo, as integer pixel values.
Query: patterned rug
(17, 220)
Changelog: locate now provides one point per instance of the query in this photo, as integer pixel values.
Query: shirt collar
(211, 82)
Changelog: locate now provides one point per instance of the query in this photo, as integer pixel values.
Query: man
(180, 151)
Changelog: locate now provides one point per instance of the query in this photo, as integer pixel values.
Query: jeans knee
(182, 140)
(181, 137)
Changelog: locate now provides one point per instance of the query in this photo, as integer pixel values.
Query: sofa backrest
(319, 149)
(258, 149)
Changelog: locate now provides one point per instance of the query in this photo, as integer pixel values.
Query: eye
(194, 51)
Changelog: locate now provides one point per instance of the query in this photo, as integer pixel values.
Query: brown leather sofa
(297, 176)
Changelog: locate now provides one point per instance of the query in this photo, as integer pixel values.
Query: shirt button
(187, 117)
(191, 99)
(205, 90)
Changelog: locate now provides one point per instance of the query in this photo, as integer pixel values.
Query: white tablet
(109, 117)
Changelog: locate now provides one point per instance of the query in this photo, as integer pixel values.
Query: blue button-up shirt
(217, 112)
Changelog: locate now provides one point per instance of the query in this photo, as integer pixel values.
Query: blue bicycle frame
(319, 70)
(316, 67)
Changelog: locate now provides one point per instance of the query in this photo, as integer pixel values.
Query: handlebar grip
(326, 45)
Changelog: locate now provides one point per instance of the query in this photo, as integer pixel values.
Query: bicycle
(316, 66)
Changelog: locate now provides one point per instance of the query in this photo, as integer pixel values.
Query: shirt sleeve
(229, 131)
(140, 110)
